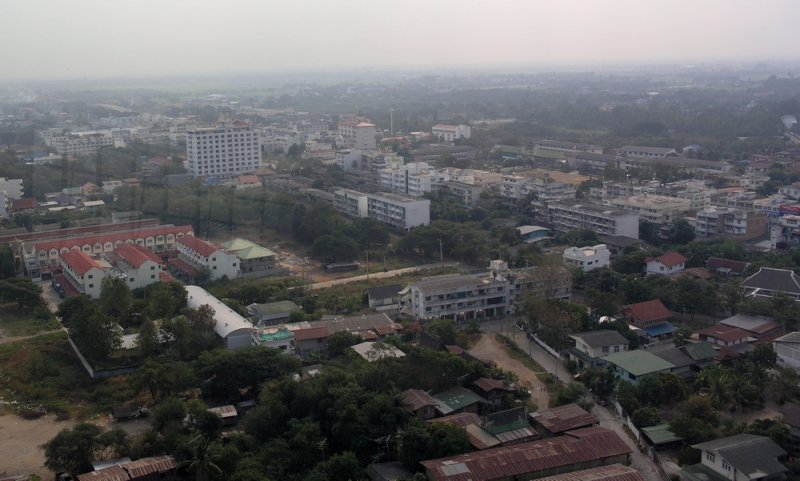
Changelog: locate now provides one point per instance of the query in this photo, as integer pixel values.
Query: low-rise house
(137, 266)
(631, 366)
(613, 472)
(227, 413)
(587, 258)
(458, 400)
(576, 450)
(726, 267)
(532, 234)
(651, 316)
(419, 403)
(272, 313)
(501, 428)
(254, 260)
(558, 420)
(592, 346)
(493, 390)
(311, 340)
(665, 265)
(743, 457)
(768, 282)
(204, 255)
(376, 351)
(384, 298)
(760, 328)
(723, 335)
(84, 273)
(683, 364)
(661, 436)
(162, 468)
(787, 347)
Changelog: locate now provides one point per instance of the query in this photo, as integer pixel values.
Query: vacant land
(16, 321)
(20, 440)
(488, 348)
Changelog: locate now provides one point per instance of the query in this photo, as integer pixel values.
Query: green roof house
(632, 365)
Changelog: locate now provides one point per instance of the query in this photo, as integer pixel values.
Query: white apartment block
(85, 273)
(81, 143)
(743, 223)
(414, 179)
(347, 131)
(791, 191)
(479, 296)
(12, 188)
(364, 138)
(205, 255)
(587, 258)
(449, 133)
(350, 202)
(647, 152)
(229, 149)
(541, 184)
(603, 220)
(349, 159)
(785, 230)
(467, 194)
(397, 211)
(658, 209)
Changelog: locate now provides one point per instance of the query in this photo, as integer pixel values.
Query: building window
(710, 457)
(726, 466)
(91, 286)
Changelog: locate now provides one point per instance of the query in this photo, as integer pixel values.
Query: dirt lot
(20, 440)
(488, 349)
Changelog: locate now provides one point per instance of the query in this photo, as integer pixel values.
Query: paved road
(606, 415)
(379, 275)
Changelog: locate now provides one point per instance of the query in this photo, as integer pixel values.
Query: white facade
(414, 179)
(12, 188)
(449, 133)
(349, 159)
(229, 149)
(204, 255)
(235, 330)
(350, 202)
(81, 143)
(84, 272)
(136, 265)
(365, 136)
(658, 209)
(587, 258)
(787, 348)
(566, 216)
(398, 212)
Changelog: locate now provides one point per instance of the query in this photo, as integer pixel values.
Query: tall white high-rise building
(229, 149)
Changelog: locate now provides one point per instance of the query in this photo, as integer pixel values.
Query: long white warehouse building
(234, 329)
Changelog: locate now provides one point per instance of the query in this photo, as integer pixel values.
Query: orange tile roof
(117, 236)
(80, 262)
(199, 245)
(136, 255)
(670, 259)
(311, 333)
(651, 310)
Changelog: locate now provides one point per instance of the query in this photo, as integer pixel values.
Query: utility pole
(367, 264)
(441, 253)
(391, 122)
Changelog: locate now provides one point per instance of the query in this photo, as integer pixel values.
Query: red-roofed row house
(38, 255)
(202, 255)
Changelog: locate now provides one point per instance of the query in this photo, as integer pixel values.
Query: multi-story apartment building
(204, 255)
(658, 209)
(742, 223)
(397, 211)
(467, 194)
(414, 178)
(350, 202)
(449, 133)
(603, 220)
(12, 188)
(83, 143)
(226, 150)
(84, 273)
(692, 166)
(647, 152)
(480, 296)
(544, 184)
(785, 231)
(544, 147)
(346, 137)
(364, 136)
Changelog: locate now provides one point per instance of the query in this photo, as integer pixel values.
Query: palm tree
(203, 461)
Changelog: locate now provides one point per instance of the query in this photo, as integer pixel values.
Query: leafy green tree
(227, 371)
(444, 330)
(697, 420)
(22, 291)
(169, 415)
(147, 339)
(97, 335)
(74, 309)
(72, 450)
(204, 461)
(115, 298)
(340, 467)
(332, 248)
(773, 429)
(339, 342)
(8, 267)
(646, 416)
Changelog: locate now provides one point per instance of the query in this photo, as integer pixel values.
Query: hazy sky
(106, 38)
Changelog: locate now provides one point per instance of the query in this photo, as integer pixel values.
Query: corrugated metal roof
(612, 472)
(564, 418)
(590, 444)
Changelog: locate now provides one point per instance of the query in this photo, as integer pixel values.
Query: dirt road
(20, 440)
(488, 349)
(378, 275)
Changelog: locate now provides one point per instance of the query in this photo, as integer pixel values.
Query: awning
(660, 330)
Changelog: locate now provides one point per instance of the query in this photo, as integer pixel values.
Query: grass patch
(16, 321)
(44, 371)
(516, 353)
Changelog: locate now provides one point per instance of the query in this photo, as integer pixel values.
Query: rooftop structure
(632, 365)
(587, 258)
(234, 329)
(563, 418)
